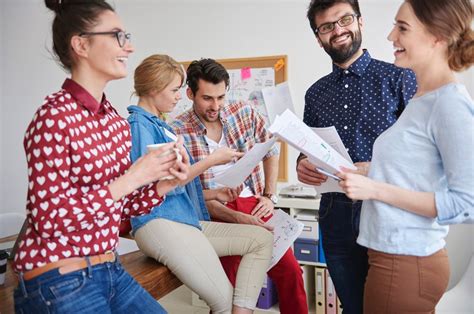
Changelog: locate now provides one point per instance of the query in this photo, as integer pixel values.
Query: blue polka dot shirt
(361, 102)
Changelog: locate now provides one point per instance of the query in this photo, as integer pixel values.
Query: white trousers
(193, 256)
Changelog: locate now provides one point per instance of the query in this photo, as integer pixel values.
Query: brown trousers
(405, 284)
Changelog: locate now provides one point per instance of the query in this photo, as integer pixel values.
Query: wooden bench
(156, 278)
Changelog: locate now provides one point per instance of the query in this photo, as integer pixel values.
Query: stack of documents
(325, 157)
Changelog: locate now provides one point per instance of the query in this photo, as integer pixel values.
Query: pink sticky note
(245, 73)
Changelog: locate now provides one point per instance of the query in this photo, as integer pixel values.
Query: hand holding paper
(235, 175)
(223, 155)
(321, 154)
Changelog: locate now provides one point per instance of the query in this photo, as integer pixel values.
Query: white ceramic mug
(165, 153)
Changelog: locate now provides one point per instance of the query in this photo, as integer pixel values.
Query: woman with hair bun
(81, 181)
(421, 177)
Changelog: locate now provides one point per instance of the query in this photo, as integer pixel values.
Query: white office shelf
(298, 203)
(311, 263)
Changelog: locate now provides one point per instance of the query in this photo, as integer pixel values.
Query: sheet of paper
(286, 230)
(293, 131)
(126, 246)
(243, 86)
(277, 99)
(320, 153)
(330, 185)
(255, 80)
(235, 175)
(330, 136)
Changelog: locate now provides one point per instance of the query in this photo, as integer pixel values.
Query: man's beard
(344, 53)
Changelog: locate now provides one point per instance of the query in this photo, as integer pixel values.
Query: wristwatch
(271, 197)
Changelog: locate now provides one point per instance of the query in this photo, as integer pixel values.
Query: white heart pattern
(72, 155)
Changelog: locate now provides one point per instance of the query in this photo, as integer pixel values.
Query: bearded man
(361, 97)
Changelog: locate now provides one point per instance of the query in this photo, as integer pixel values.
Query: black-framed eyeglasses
(344, 21)
(121, 36)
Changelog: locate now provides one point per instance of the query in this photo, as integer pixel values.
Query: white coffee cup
(165, 153)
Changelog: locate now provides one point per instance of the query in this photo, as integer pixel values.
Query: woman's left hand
(362, 168)
(181, 167)
(180, 171)
(356, 186)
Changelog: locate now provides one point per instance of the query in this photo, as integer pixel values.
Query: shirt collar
(83, 96)
(139, 110)
(196, 123)
(358, 67)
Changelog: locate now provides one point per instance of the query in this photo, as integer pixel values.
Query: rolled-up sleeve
(453, 131)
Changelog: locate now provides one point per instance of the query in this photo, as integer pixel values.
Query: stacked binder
(326, 298)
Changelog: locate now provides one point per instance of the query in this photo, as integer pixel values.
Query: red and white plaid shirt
(74, 148)
(243, 127)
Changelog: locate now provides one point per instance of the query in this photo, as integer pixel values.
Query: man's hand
(224, 155)
(225, 195)
(264, 208)
(308, 174)
(252, 220)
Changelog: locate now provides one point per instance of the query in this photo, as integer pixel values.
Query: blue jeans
(103, 288)
(347, 261)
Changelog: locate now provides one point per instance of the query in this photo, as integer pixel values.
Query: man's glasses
(121, 36)
(344, 21)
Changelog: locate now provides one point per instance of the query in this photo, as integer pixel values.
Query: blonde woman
(178, 233)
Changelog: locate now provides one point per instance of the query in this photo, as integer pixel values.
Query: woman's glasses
(121, 36)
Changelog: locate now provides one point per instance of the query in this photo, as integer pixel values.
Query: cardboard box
(306, 250)
(310, 222)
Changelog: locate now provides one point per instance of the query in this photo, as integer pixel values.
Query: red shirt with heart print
(75, 147)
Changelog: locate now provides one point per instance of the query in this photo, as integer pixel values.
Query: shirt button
(345, 127)
(346, 72)
(345, 106)
(346, 86)
(466, 214)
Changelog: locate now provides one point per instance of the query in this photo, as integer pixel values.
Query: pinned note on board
(245, 73)
(279, 64)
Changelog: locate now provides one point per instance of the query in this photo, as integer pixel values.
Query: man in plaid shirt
(210, 124)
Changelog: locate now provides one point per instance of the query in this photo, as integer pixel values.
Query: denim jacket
(183, 204)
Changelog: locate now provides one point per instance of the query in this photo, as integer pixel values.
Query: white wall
(184, 29)
(2, 19)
